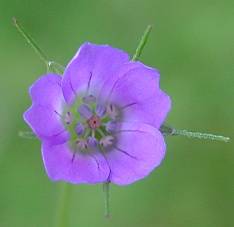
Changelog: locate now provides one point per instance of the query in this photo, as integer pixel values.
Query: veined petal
(110, 82)
(62, 164)
(44, 116)
(151, 111)
(138, 95)
(139, 149)
(90, 68)
(139, 83)
(47, 91)
(46, 124)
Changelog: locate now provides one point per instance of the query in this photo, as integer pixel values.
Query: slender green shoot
(31, 42)
(142, 43)
(50, 65)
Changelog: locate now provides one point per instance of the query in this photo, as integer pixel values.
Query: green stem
(199, 135)
(63, 206)
(106, 190)
(50, 65)
(142, 43)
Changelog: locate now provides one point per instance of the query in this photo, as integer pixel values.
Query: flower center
(94, 122)
(90, 124)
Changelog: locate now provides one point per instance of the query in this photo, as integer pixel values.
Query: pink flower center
(94, 122)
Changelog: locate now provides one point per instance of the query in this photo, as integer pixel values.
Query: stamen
(92, 142)
(82, 144)
(89, 99)
(101, 132)
(85, 111)
(107, 141)
(93, 133)
(112, 111)
(110, 126)
(68, 118)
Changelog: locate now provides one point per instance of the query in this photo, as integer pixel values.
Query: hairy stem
(27, 134)
(166, 130)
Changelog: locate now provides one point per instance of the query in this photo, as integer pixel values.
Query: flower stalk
(106, 190)
(62, 215)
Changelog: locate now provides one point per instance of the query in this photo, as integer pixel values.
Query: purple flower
(100, 121)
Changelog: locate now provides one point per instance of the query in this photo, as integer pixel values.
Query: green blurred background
(192, 44)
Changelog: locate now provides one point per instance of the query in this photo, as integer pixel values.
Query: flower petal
(109, 84)
(47, 91)
(44, 116)
(152, 111)
(139, 149)
(46, 124)
(60, 164)
(90, 68)
(139, 83)
(138, 94)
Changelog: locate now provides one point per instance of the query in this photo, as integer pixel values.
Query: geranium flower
(100, 121)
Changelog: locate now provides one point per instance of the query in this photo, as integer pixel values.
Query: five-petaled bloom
(100, 121)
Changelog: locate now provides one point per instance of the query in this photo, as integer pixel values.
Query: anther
(68, 118)
(112, 111)
(85, 111)
(82, 144)
(107, 141)
(89, 99)
(110, 126)
(100, 110)
(92, 142)
(79, 129)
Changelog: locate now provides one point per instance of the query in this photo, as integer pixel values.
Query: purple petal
(138, 84)
(47, 91)
(139, 149)
(120, 72)
(62, 164)
(153, 111)
(140, 97)
(90, 68)
(46, 124)
(44, 115)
